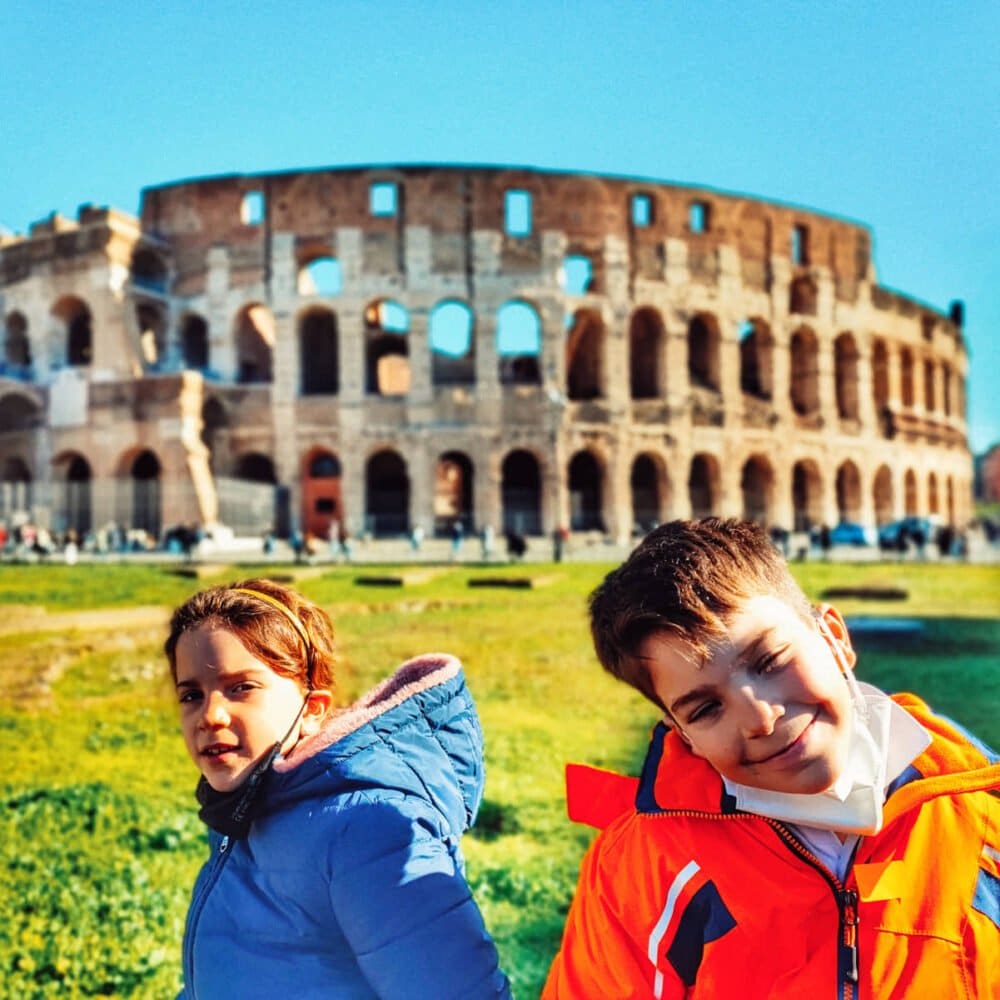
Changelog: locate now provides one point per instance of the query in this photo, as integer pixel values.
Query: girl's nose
(759, 715)
(214, 714)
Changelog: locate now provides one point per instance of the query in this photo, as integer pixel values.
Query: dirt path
(33, 618)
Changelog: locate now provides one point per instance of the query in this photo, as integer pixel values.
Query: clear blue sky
(887, 113)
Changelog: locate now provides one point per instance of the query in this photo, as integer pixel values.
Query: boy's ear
(318, 704)
(834, 630)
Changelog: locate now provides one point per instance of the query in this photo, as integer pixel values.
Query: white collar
(886, 739)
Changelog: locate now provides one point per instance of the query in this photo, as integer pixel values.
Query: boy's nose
(759, 715)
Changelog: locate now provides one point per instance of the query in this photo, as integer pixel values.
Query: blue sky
(887, 113)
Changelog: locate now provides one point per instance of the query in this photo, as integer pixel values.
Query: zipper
(218, 861)
(847, 899)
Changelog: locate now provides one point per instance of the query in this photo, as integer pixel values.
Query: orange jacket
(683, 896)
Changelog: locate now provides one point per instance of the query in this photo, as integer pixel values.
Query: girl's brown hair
(276, 624)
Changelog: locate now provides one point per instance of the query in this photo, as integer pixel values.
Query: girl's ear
(833, 628)
(318, 704)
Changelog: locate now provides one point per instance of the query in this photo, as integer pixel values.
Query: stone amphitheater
(373, 350)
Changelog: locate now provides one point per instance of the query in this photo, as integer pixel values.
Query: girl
(335, 868)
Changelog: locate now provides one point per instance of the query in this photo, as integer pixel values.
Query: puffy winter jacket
(350, 881)
(683, 896)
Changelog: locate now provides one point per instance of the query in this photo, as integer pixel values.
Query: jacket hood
(416, 733)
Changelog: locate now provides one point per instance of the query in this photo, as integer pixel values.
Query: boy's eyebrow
(695, 694)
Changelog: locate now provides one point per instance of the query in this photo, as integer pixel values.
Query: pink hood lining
(414, 676)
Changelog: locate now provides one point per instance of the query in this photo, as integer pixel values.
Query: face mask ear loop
(853, 687)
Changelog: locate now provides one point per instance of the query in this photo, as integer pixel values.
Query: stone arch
(151, 323)
(254, 337)
(585, 479)
(255, 467)
(804, 387)
(319, 361)
(454, 489)
(703, 351)
(18, 413)
(647, 339)
(194, 341)
(214, 428)
(387, 494)
(73, 508)
(704, 485)
(882, 495)
(17, 345)
(649, 484)
(880, 383)
(451, 329)
(845, 369)
(149, 270)
(907, 393)
(930, 394)
(250, 499)
(807, 495)
(519, 343)
(74, 324)
(910, 496)
(803, 296)
(144, 514)
(933, 501)
(849, 493)
(521, 493)
(387, 350)
(585, 355)
(946, 376)
(322, 511)
(320, 275)
(757, 359)
(15, 487)
(949, 493)
(757, 488)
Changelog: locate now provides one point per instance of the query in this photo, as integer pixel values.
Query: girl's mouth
(217, 750)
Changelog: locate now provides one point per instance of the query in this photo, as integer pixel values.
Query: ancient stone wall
(374, 349)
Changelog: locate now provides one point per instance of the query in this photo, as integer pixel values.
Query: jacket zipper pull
(224, 845)
(849, 938)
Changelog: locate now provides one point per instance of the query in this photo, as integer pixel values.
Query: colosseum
(376, 349)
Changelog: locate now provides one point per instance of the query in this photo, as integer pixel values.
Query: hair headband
(292, 617)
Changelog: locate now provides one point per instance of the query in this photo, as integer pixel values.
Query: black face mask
(231, 813)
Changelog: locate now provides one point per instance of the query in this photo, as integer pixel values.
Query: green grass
(97, 830)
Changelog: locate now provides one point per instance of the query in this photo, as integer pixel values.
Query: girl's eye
(189, 696)
(245, 686)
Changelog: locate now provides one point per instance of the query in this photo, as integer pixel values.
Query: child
(335, 868)
(794, 833)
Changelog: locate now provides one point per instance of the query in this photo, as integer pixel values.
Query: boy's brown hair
(276, 624)
(686, 578)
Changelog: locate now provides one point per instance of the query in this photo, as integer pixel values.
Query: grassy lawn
(98, 834)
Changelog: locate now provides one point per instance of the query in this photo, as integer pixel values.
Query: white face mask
(853, 804)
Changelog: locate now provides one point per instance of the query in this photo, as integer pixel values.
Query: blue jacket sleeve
(403, 904)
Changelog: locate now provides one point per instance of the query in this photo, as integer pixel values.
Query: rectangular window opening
(800, 245)
(642, 211)
(517, 213)
(698, 217)
(252, 208)
(383, 198)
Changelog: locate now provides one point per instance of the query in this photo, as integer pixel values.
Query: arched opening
(930, 396)
(453, 492)
(151, 322)
(254, 344)
(803, 296)
(73, 505)
(647, 502)
(646, 339)
(15, 488)
(145, 474)
(521, 494)
(214, 424)
(585, 493)
(946, 387)
(933, 503)
(585, 356)
(194, 342)
(807, 496)
(18, 413)
(849, 493)
(845, 363)
(804, 389)
(322, 515)
(882, 499)
(519, 344)
(73, 319)
(321, 277)
(756, 359)
(17, 347)
(757, 484)
(703, 485)
(149, 270)
(906, 377)
(387, 495)
(387, 360)
(318, 352)
(880, 384)
(910, 508)
(950, 500)
(453, 358)
(250, 501)
(703, 351)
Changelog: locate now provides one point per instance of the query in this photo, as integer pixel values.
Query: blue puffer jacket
(350, 882)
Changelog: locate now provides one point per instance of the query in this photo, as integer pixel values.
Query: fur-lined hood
(416, 733)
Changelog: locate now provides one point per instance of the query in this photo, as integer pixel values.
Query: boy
(793, 833)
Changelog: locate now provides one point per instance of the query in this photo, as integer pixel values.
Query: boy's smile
(234, 708)
(769, 706)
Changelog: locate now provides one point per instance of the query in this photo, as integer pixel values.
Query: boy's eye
(703, 713)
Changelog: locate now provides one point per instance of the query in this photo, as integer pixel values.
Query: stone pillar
(221, 349)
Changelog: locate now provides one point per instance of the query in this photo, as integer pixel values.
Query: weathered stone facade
(386, 347)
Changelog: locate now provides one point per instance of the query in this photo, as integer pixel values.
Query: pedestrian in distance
(334, 867)
(794, 833)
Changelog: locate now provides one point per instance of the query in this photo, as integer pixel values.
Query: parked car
(848, 533)
(907, 530)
